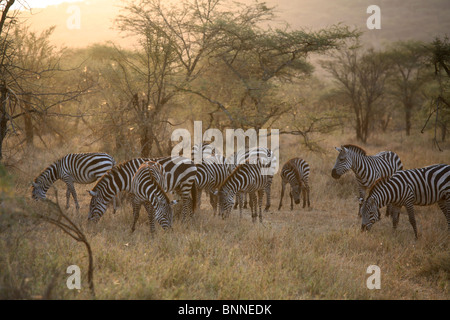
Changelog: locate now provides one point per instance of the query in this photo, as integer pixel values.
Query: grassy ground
(315, 253)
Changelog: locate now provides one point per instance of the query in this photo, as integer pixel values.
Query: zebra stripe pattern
(179, 174)
(211, 173)
(262, 155)
(82, 168)
(423, 187)
(296, 173)
(147, 186)
(367, 169)
(245, 178)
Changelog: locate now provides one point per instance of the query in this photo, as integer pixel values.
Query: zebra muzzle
(334, 174)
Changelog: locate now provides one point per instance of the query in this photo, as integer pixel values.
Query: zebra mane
(377, 183)
(44, 172)
(356, 149)
(233, 173)
(109, 173)
(148, 168)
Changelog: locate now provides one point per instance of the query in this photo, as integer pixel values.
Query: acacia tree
(218, 53)
(409, 75)
(29, 71)
(361, 77)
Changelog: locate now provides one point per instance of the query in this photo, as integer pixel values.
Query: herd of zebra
(249, 172)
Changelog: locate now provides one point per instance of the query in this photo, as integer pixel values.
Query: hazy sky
(39, 3)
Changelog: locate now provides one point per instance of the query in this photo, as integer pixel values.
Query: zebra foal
(296, 173)
(423, 187)
(83, 168)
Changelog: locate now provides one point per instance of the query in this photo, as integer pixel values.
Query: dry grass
(316, 253)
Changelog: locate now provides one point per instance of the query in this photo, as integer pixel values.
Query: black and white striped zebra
(247, 178)
(264, 156)
(423, 187)
(147, 187)
(211, 173)
(367, 169)
(179, 173)
(296, 173)
(83, 168)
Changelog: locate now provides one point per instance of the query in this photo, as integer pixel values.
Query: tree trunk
(408, 112)
(3, 118)
(146, 143)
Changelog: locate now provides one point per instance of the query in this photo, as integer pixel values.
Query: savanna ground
(315, 253)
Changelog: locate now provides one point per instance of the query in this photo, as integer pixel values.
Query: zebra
(265, 156)
(367, 169)
(147, 186)
(211, 173)
(83, 168)
(245, 178)
(422, 186)
(296, 173)
(179, 173)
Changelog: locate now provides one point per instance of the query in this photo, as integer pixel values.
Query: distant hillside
(400, 19)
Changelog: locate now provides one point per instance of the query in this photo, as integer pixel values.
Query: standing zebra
(147, 187)
(179, 173)
(262, 155)
(367, 169)
(83, 168)
(211, 173)
(296, 173)
(245, 178)
(423, 186)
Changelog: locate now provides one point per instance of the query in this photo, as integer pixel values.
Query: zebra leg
(307, 193)
(151, 217)
(236, 202)
(240, 196)
(361, 200)
(213, 201)
(412, 219)
(253, 207)
(136, 208)
(304, 197)
(268, 191)
(71, 190)
(260, 202)
(292, 200)
(395, 213)
(283, 187)
(245, 199)
(445, 207)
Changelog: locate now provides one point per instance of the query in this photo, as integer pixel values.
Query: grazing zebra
(265, 156)
(245, 178)
(296, 173)
(423, 186)
(211, 173)
(83, 168)
(367, 169)
(147, 187)
(179, 173)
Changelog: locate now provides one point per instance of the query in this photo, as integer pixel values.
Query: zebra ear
(215, 192)
(92, 193)
(34, 184)
(173, 202)
(338, 149)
